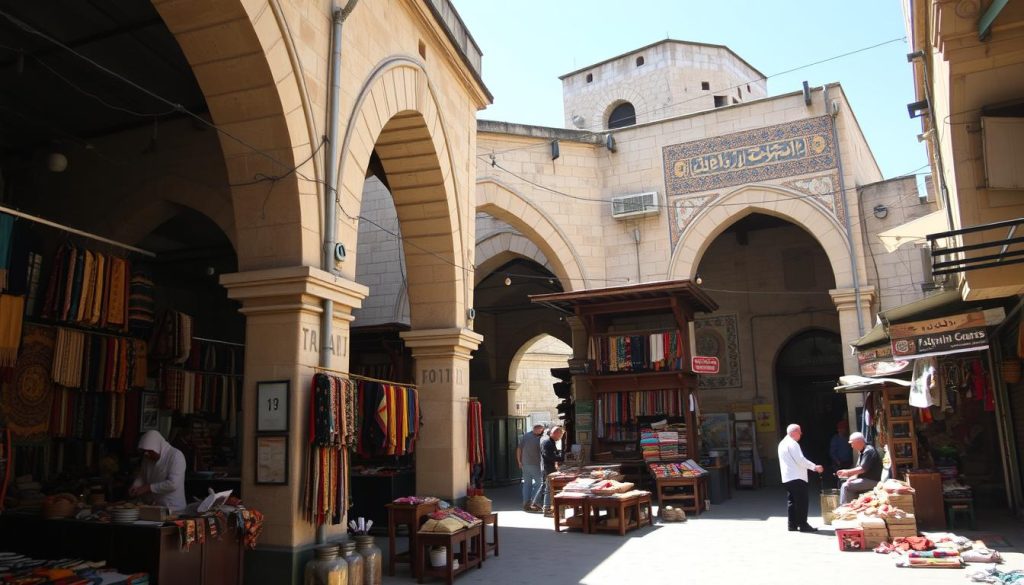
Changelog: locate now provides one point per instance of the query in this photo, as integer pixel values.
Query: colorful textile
(26, 403)
(475, 440)
(12, 312)
(141, 303)
(637, 353)
(6, 237)
(67, 357)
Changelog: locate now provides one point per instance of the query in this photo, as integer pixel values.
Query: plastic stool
(960, 509)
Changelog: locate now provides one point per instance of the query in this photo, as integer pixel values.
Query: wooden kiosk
(636, 368)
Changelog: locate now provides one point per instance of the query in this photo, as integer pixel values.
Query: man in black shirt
(865, 475)
(550, 456)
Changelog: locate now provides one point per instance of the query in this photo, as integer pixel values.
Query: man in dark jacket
(550, 457)
(865, 475)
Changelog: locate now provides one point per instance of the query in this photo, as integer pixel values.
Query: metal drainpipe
(846, 211)
(331, 195)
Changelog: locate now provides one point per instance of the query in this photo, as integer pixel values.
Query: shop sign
(878, 362)
(702, 364)
(952, 334)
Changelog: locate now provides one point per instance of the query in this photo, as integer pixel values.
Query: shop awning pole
(75, 231)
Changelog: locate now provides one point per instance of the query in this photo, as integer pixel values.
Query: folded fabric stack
(449, 520)
(649, 445)
(580, 485)
(18, 568)
(953, 489)
(688, 468)
(934, 559)
(413, 500)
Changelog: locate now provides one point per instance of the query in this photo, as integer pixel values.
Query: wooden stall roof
(579, 301)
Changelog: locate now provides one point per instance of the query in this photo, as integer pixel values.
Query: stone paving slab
(743, 540)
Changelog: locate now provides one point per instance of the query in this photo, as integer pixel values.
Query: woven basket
(670, 514)
(478, 505)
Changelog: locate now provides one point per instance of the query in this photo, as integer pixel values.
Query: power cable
(596, 129)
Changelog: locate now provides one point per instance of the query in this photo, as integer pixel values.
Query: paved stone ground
(743, 540)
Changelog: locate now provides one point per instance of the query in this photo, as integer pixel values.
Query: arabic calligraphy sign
(952, 334)
(770, 152)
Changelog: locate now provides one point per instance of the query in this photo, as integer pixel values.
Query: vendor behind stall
(161, 479)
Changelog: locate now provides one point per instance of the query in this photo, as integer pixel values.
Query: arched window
(623, 115)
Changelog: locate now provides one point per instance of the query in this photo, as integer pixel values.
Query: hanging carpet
(26, 403)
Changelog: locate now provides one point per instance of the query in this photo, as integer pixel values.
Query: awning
(878, 333)
(914, 231)
(848, 384)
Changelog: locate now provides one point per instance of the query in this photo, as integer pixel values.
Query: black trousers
(796, 502)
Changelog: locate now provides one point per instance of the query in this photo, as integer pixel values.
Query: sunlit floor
(742, 540)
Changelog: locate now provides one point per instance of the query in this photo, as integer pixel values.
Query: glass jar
(326, 568)
(372, 560)
(355, 563)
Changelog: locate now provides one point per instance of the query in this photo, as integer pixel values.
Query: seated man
(865, 475)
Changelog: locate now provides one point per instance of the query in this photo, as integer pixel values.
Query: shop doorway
(807, 371)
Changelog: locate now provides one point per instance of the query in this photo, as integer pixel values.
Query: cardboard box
(902, 531)
(909, 519)
(153, 513)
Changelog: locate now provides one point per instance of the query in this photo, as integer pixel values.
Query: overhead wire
(597, 129)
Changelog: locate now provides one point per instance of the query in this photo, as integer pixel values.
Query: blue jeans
(533, 482)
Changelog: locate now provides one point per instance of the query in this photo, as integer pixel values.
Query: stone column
(580, 347)
(442, 377)
(283, 307)
(845, 300)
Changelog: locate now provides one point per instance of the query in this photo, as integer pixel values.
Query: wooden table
(579, 504)
(471, 552)
(411, 516)
(628, 509)
(493, 546)
(692, 498)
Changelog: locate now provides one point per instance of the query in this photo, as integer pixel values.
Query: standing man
(866, 475)
(794, 468)
(551, 456)
(528, 458)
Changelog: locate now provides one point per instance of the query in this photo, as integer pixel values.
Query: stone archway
(406, 130)
(504, 203)
(501, 248)
(243, 62)
(792, 206)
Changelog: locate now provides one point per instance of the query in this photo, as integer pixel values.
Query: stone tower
(661, 80)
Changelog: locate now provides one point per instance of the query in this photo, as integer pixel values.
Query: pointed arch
(502, 202)
(783, 203)
(397, 116)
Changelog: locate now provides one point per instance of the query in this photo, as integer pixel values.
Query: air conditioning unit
(634, 205)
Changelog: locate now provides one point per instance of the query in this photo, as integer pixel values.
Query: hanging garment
(923, 383)
(6, 238)
(12, 312)
(67, 358)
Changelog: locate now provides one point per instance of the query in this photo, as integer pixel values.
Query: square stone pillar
(442, 378)
(845, 300)
(283, 308)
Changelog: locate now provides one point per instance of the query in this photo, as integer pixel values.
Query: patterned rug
(26, 401)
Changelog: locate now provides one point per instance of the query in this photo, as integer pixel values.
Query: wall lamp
(917, 109)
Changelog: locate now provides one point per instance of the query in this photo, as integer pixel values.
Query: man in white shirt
(794, 468)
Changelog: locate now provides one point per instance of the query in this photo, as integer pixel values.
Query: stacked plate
(124, 515)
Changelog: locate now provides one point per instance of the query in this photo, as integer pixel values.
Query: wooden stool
(961, 507)
(491, 519)
(580, 506)
(471, 552)
(410, 516)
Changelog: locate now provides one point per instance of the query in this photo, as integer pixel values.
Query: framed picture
(272, 407)
(272, 459)
(149, 411)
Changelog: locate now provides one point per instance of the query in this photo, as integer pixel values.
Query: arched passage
(711, 220)
(505, 204)
(405, 131)
(807, 370)
(243, 63)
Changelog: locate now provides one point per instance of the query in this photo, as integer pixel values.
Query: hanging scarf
(12, 312)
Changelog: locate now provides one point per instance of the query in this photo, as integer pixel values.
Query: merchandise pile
(688, 468)
(415, 500)
(449, 520)
(20, 569)
(659, 445)
(939, 550)
(881, 514)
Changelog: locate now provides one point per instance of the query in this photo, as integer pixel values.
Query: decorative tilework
(771, 152)
(825, 190)
(719, 336)
(682, 210)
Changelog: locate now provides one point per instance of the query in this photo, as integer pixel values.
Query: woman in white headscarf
(161, 479)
